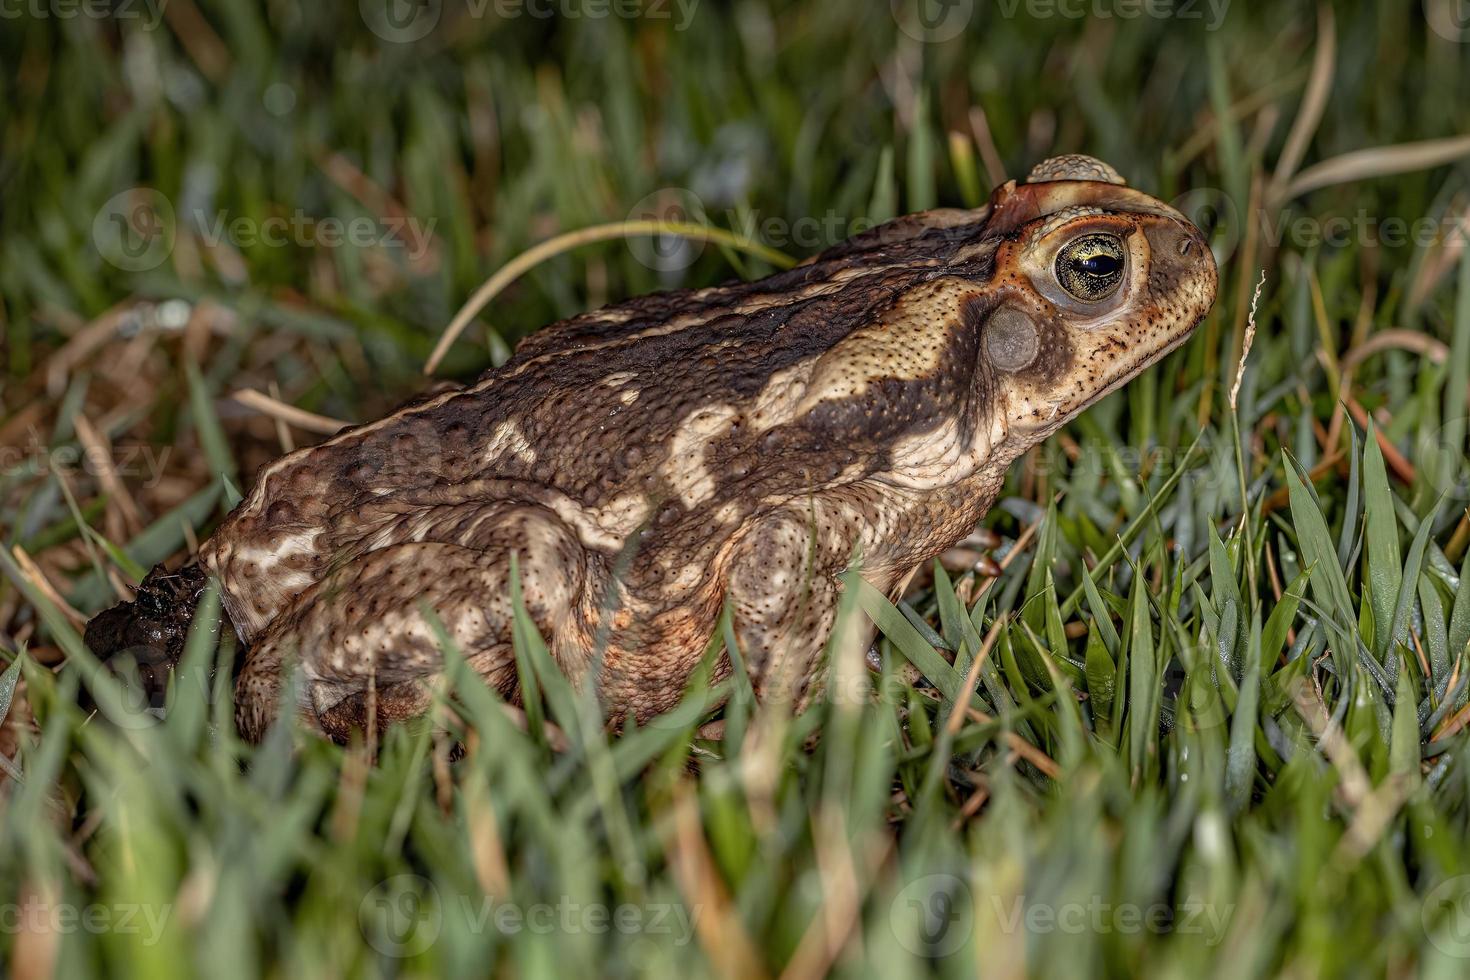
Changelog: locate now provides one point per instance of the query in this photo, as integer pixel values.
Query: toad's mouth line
(1146, 362)
(1055, 417)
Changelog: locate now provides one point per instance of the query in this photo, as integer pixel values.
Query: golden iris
(1091, 267)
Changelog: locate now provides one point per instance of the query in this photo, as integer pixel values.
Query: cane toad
(652, 461)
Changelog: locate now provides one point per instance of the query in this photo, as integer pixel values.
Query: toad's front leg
(784, 586)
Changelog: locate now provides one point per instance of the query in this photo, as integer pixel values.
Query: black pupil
(1101, 266)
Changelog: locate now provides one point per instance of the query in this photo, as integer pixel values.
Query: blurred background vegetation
(1221, 693)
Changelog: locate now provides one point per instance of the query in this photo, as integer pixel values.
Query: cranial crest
(1074, 166)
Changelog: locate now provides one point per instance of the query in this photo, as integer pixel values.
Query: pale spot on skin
(604, 528)
(508, 437)
(776, 403)
(682, 578)
(621, 516)
(907, 344)
(936, 459)
(272, 588)
(686, 471)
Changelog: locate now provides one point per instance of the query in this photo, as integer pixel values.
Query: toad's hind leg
(366, 647)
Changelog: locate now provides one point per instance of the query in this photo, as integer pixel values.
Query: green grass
(1216, 723)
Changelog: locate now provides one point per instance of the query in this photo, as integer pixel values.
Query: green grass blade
(1382, 533)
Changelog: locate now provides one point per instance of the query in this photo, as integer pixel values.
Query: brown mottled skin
(651, 461)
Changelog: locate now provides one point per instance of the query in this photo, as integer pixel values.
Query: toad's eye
(1091, 267)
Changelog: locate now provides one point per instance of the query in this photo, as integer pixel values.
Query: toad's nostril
(1184, 246)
